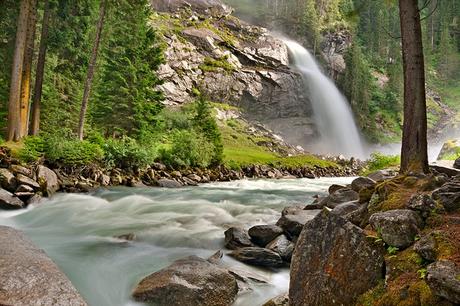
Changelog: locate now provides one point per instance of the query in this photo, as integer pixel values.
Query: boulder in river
(168, 183)
(282, 246)
(443, 277)
(292, 224)
(29, 277)
(9, 201)
(341, 196)
(191, 281)
(263, 234)
(333, 263)
(397, 227)
(236, 237)
(48, 180)
(258, 257)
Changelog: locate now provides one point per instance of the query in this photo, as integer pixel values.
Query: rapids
(77, 231)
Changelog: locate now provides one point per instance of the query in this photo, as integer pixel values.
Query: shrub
(128, 153)
(380, 161)
(188, 149)
(65, 152)
(33, 149)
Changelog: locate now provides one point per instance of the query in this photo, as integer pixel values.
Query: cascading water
(333, 116)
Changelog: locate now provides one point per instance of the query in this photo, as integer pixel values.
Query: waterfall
(332, 113)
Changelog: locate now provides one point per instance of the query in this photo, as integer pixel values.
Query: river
(77, 231)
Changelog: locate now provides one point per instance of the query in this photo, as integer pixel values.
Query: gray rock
(282, 246)
(341, 196)
(263, 234)
(448, 195)
(444, 281)
(190, 281)
(280, 300)
(194, 177)
(104, 180)
(451, 172)
(382, 175)
(361, 183)
(216, 258)
(29, 277)
(24, 188)
(168, 183)
(236, 237)
(293, 224)
(397, 227)
(426, 247)
(35, 199)
(334, 187)
(48, 180)
(17, 169)
(291, 210)
(333, 263)
(345, 208)
(24, 180)
(422, 203)
(9, 201)
(258, 257)
(7, 180)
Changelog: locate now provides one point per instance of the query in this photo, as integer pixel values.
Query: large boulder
(263, 234)
(448, 195)
(9, 201)
(29, 277)
(292, 224)
(443, 277)
(7, 180)
(48, 180)
(168, 183)
(361, 183)
(236, 237)
(397, 227)
(341, 196)
(333, 263)
(190, 281)
(24, 180)
(258, 257)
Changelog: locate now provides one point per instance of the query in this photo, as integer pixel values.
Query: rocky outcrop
(397, 227)
(333, 262)
(29, 277)
(190, 281)
(443, 277)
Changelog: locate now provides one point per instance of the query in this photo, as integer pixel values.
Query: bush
(380, 161)
(33, 149)
(188, 149)
(128, 153)
(64, 152)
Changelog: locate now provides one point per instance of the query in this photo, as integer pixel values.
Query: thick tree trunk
(414, 157)
(39, 75)
(92, 66)
(14, 126)
(27, 69)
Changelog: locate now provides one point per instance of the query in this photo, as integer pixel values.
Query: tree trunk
(92, 66)
(27, 69)
(14, 126)
(39, 75)
(414, 156)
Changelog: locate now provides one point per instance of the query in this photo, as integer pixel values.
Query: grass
(380, 161)
(211, 65)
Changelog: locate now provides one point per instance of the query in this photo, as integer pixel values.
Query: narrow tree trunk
(39, 75)
(27, 69)
(92, 66)
(14, 126)
(414, 157)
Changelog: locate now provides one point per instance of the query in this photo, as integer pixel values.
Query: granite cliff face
(230, 61)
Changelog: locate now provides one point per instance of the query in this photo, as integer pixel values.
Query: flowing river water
(77, 231)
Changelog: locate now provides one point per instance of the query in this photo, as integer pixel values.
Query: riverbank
(24, 184)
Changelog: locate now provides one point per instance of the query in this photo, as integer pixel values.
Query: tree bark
(39, 75)
(14, 126)
(91, 67)
(27, 69)
(414, 156)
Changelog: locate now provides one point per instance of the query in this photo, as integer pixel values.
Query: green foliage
(380, 161)
(392, 250)
(210, 64)
(34, 148)
(72, 152)
(127, 153)
(188, 149)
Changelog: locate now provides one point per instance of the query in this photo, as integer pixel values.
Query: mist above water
(332, 113)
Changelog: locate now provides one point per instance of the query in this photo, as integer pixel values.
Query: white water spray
(333, 116)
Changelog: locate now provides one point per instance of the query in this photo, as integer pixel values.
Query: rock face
(444, 281)
(190, 281)
(29, 277)
(397, 227)
(9, 201)
(333, 263)
(232, 62)
(258, 257)
(263, 234)
(236, 237)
